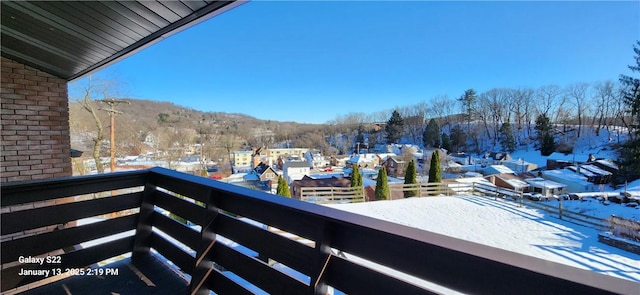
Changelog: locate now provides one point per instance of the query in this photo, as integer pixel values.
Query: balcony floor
(148, 275)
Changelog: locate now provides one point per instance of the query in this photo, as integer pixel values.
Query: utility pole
(112, 102)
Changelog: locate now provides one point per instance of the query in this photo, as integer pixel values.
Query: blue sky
(312, 61)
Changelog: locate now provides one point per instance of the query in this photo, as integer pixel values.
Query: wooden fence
(332, 195)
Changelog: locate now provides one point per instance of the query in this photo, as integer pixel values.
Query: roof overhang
(70, 39)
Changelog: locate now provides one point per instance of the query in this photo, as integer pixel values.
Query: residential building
(546, 187)
(295, 170)
(241, 158)
(574, 182)
(396, 166)
(519, 165)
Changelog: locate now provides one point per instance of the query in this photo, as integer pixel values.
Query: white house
(295, 170)
(546, 187)
(575, 182)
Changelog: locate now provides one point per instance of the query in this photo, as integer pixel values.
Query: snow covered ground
(504, 225)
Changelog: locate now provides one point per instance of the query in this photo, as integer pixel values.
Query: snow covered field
(504, 225)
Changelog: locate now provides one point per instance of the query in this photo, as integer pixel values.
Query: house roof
(70, 39)
(307, 181)
(297, 164)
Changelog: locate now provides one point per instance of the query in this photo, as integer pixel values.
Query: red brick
(6, 90)
(14, 127)
(36, 88)
(19, 97)
(25, 71)
(13, 117)
(30, 162)
(42, 166)
(13, 106)
(40, 157)
(13, 75)
(11, 174)
(42, 176)
(52, 170)
(11, 167)
(18, 178)
(12, 85)
(25, 112)
(16, 158)
(26, 92)
(9, 153)
(28, 152)
(38, 108)
(26, 122)
(41, 128)
(51, 161)
(28, 133)
(7, 122)
(31, 172)
(35, 78)
(15, 137)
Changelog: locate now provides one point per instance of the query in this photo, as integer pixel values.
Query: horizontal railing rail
(227, 232)
(332, 195)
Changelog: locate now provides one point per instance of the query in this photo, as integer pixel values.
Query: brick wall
(34, 109)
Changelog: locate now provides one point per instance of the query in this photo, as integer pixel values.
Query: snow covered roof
(566, 174)
(544, 183)
(474, 180)
(607, 163)
(596, 169)
(519, 161)
(384, 156)
(516, 183)
(497, 169)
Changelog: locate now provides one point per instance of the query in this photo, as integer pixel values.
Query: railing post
(203, 264)
(141, 243)
(323, 257)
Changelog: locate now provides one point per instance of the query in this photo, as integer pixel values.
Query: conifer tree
(394, 127)
(507, 140)
(382, 185)
(356, 177)
(431, 135)
(435, 175)
(283, 188)
(629, 153)
(410, 177)
(547, 142)
(446, 142)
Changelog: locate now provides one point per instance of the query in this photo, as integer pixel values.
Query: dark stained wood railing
(322, 247)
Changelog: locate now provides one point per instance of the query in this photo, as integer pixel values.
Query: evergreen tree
(507, 140)
(411, 177)
(356, 177)
(283, 188)
(431, 135)
(435, 175)
(547, 142)
(458, 137)
(629, 153)
(394, 127)
(631, 92)
(382, 185)
(468, 101)
(446, 142)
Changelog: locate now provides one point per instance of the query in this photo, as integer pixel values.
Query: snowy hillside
(504, 225)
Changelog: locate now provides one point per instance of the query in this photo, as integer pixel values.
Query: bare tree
(91, 90)
(443, 108)
(413, 121)
(577, 94)
(603, 101)
(547, 99)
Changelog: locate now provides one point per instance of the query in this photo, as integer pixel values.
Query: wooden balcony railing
(314, 250)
